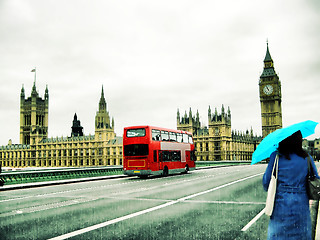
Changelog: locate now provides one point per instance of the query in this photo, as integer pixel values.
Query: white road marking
(132, 215)
(245, 228)
(45, 207)
(104, 224)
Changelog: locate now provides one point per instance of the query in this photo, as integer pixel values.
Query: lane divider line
(104, 224)
(132, 215)
(245, 228)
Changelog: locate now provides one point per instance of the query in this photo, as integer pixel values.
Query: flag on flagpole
(33, 70)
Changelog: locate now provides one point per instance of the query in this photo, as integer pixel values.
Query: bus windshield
(139, 132)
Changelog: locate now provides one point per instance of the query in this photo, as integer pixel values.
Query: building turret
(76, 129)
(103, 129)
(33, 116)
(188, 122)
(34, 92)
(46, 94)
(178, 116)
(22, 94)
(198, 118)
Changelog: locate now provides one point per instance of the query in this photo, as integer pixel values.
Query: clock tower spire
(270, 97)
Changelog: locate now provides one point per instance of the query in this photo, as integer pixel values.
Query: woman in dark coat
(291, 214)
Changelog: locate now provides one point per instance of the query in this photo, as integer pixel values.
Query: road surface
(215, 203)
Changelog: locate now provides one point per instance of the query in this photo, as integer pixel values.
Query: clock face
(268, 89)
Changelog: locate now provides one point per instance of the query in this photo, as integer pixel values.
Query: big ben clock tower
(270, 97)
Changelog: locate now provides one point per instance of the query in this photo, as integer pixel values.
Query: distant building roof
(15, 146)
(115, 141)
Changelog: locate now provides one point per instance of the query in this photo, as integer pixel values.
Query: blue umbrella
(271, 142)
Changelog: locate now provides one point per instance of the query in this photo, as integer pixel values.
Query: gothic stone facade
(217, 141)
(37, 150)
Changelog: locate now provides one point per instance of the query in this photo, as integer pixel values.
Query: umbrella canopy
(271, 142)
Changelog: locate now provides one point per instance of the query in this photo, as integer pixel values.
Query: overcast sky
(153, 57)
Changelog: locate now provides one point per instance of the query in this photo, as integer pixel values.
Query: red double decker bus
(157, 151)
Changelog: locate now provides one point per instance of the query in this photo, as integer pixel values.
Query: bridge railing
(85, 172)
(57, 174)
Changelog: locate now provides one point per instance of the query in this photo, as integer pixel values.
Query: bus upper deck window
(173, 137)
(190, 139)
(185, 138)
(179, 137)
(164, 136)
(155, 135)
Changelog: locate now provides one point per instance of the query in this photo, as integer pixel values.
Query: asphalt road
(217, 203)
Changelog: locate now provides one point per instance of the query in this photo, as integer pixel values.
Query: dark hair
(292, 144)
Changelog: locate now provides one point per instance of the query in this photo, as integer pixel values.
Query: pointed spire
(102, 102)
(222, 110)
(46, 94)
(102, 92)
(268, 56)
(215, 114)
(268, 70)
(22, 95)
(34, 90)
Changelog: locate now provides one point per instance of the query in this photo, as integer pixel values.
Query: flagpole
(35, 74)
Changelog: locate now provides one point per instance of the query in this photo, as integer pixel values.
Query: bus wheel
(186, 169)
(165, 171)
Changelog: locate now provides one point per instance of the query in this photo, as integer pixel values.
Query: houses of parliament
(214, 142)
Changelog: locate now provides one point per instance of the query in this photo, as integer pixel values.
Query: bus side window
(155, 155)
(160, 156)
(155, 135)
(179, 137)
(176, 156)
(164, 136)
(185, 138)
(166, 156)
(190, 139)
(173, 137)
